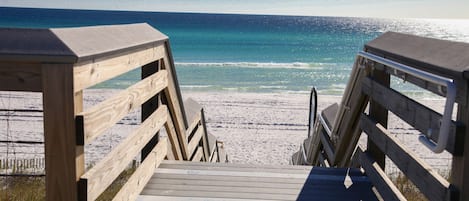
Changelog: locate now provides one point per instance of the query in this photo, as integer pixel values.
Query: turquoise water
(251, 53)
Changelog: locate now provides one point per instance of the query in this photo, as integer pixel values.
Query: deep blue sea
(251, 53)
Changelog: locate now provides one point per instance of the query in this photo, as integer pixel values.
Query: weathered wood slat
(234, 189)
(153, 183)
(199, 154)
(175, 106)
(99, 177)
(20, 77)
(104, 115)
(412, 112)
(223, 178)
(214, 156)
(93, 72)
(430, 183)
(221, 195)
(140, 177)
(314, 150)
(379, 179)
(327, 146)
(173, 139)
(194, 143)
(185, 198)
(345, 132)
(284, 169)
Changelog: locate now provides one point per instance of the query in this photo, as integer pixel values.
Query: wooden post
(59, 131)
(460, 164)
(380, 114)
(149, 106)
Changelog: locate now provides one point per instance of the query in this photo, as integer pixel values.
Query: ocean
(251, 53)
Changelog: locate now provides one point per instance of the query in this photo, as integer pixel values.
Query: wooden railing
(78, 58)
(158, 96)
(336, 133)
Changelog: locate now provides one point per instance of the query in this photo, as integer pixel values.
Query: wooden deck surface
(177, 180)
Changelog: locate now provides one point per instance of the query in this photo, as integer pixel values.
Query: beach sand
(256, 128)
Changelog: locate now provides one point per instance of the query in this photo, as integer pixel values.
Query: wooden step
(181, 180)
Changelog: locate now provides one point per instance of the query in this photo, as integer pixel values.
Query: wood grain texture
(18, 76)
(92, 72)
(430, 183)
(379, 179)
(412, 112)
(174, 102)
(142, 175)
(104, 115)
(345, 133)
(195, 141)
(173, 139)
(379, 113)
(199, 154)
(100, 176)
(59, 132)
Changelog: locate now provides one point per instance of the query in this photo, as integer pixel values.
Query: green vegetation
(33, 188)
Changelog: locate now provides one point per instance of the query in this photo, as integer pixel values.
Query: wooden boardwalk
(180, 180)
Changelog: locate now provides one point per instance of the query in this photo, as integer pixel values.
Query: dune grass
(33, 188)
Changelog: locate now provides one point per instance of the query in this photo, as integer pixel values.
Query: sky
(458, 9)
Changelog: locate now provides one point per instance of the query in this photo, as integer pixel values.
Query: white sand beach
(256, 128)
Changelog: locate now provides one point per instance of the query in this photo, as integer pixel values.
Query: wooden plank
(195, 141)
(92, 72)
(217, 188)
(17, 76)
(162, 182)
(198, 155)
(322, 160)
(430, 183)
(327, 146)
(220, 195)
(140, 177)
(100, 176)
(379, 179)
(173, 139)
(59, 132)
(444, 58)
(205, 140)
(223, 178)
(104, 115)
(412, 112)
(329, 115)
(176, 108)
(345, 131)
(314, 150)
(176, 198)
(193, 114)
(214, 156)
(175, 164)
(379, 113)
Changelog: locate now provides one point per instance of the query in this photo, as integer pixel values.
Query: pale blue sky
(357, 8)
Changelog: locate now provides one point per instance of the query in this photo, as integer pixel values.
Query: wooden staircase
(178, 180)
(171, 168)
